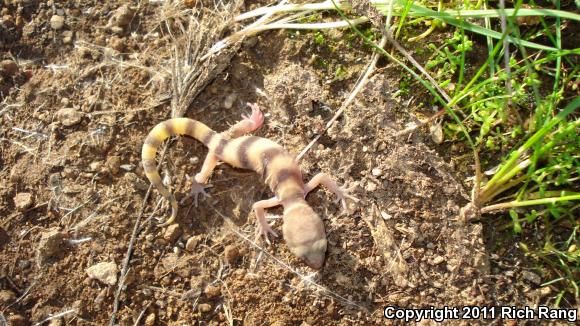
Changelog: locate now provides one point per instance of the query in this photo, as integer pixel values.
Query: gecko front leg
(248, 124)
(341, 193)
(264, 229)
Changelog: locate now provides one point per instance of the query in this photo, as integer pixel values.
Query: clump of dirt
(71, 136)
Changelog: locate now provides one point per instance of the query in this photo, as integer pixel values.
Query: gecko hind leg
(199, 182)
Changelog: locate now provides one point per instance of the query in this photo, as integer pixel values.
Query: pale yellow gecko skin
(303, 229)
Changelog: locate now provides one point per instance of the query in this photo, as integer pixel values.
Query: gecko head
(304, 233)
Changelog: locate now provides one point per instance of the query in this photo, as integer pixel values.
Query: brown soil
(73, 120)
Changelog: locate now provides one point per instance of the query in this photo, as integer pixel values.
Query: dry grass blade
(193, 34)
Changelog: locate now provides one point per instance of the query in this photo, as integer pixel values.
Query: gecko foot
(343, 194)
(256, 118)
(264, 229)
(196, 190)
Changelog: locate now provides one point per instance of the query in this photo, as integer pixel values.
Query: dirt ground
(82, 84)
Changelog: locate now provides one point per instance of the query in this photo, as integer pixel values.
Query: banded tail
(156, 137)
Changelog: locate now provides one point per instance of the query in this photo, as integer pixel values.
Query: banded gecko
(303, 229)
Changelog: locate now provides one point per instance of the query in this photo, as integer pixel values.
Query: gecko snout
(304, 233)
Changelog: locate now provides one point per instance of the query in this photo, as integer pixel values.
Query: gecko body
(303, 229)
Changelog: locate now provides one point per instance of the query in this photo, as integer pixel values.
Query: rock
(150, 320)
(56, 22)
(436, 132)
(67, 37)
(117, 30)
(371, 187)
(212, 291)
(69, 117)
(172, 233)
(229, 101)
(232, 254)
(75, 12)
(438, 260)
(117, 43)
(8, 68)
(6, 297)
(23, 201)
(113, 164)
(96, 166)
(191, 243)
(52, 243)
(376, 172)
(204, 307)
(135, 181)
(106, 272)
(7, 21)
(123, 16)
(532, 277)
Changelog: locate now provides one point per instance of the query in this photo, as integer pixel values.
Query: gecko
(302, 229)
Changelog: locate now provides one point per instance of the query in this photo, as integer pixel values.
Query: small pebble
(371, 186)
(532, 277)
(52, 243)
(8, 21)
(191, 243)
(95, 166)
(205, 307)
(436, 132)
(23, 201)
(232, 254)
(229, 101)
(113, 163)
(212, 291)
(6, 297)
(150, 320)
(8, 68)
(123, 16)
(106, 272)
(69, 117)
(172, 233)
(117, 43)
(376, 172)
(386, 216)
(56, 22)
(67, 37)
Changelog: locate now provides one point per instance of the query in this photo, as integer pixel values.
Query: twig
(141, 314)
(125, 268)
(136, 230)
